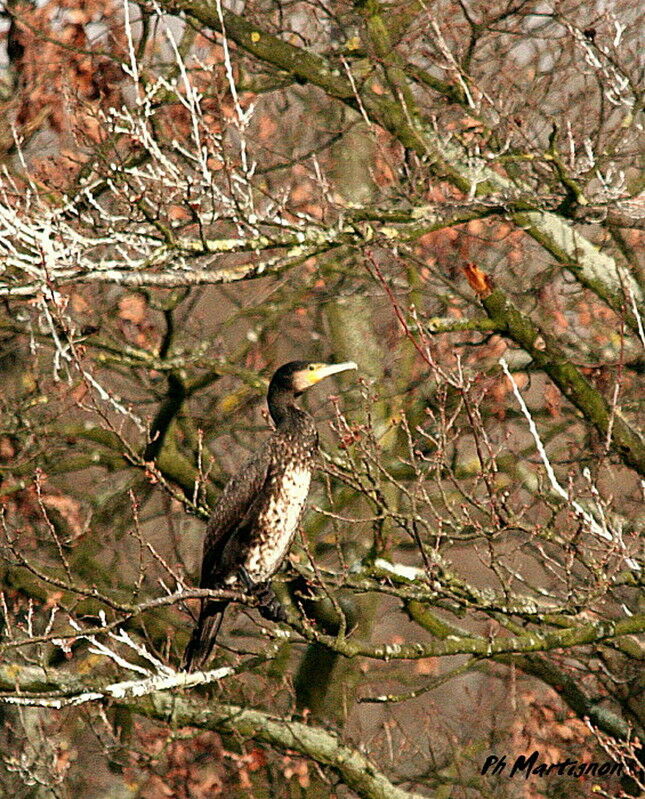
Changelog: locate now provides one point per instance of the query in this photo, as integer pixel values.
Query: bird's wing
(233, 508)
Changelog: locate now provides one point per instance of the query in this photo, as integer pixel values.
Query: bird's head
(298, 376)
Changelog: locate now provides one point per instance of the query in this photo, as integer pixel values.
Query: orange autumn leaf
(7, 449)
(255, 759)
(298, 769)
(300, 193)
(53, 599)
(215, 164)
(132, 308)
(178, 213)
(79, 304)
(70, 509)
(427, 666)
(268, 128)
(79, 392)
(479, 281)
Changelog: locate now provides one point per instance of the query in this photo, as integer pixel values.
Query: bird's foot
(269, 604)
(245, 579)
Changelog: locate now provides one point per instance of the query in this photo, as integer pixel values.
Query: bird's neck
(284, 411)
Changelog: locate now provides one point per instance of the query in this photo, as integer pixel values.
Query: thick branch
(531, 641)
(354, 769)
(542, 668)
(624, 439)
(161, 270)
(164, 279)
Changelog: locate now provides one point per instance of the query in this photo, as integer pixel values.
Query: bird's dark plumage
(254, 522)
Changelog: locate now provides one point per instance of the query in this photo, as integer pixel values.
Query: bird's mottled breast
(278, 519)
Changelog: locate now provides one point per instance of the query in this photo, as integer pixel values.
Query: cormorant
(253, 524)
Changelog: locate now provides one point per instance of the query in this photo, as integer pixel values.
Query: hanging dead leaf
(132, 308)
(478, 280)
(7, 449)
(268, 128)
(79, 392)
(70, 510)
(427, 666)
(256, 759)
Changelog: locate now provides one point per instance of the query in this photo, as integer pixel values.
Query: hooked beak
(322, 370)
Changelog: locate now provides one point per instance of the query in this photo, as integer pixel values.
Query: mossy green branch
(592, 268)
(537, 666)
(531, 641)
(173, 465)
(387, 56)
(625, 440)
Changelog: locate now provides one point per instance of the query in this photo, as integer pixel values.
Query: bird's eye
(311, 367)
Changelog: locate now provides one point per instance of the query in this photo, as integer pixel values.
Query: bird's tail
(203, 638)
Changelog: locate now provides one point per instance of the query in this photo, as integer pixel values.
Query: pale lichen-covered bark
(445, 157)
(321, 746)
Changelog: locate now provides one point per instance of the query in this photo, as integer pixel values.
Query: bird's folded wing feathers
(233, 507)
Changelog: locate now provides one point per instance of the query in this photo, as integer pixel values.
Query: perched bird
(253, 524)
